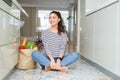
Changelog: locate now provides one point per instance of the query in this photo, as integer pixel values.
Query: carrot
(24, 41)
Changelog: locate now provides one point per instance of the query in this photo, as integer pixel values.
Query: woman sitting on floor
(54, 40)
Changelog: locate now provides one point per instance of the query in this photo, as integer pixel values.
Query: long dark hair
(61, 27)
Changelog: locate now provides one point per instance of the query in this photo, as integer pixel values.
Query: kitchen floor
(80, 70)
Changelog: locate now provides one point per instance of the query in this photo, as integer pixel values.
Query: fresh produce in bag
(23, 44)
(30, 45)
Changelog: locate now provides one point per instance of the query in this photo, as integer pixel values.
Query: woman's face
(53, 19)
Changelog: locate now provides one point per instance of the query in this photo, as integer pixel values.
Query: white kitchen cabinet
(100, 37)
(9, 33)
(9, 36)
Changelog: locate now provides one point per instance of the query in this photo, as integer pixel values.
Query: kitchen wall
(72, 27)
(29, 28)
(100, 36)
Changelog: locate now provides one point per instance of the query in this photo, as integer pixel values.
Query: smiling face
(53, 19)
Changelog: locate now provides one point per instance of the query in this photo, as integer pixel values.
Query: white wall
(29, 28)
(100, 37)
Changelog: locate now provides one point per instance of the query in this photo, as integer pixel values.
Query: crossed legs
(66, 60)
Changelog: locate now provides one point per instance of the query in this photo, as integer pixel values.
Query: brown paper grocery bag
(25, 60)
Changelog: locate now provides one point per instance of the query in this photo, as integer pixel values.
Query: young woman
(54, 40)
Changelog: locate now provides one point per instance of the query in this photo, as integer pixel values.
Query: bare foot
(47, 68)
(64, 69)
(58, 66)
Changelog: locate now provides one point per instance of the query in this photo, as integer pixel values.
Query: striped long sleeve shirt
(53, 43)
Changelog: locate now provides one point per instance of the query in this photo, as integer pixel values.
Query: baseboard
(10, 72)
(105, 71)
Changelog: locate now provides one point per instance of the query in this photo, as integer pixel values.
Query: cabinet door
(6, 28)
(8, 59)
(9, 28)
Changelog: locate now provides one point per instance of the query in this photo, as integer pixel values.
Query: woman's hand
(52, 64)
(58, 64)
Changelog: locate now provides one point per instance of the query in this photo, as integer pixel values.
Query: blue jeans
(44, 60)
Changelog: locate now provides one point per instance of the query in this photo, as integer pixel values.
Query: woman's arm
(50, 57)
(52, 63)
(63, 44)
(62, 50)
(45, 43)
